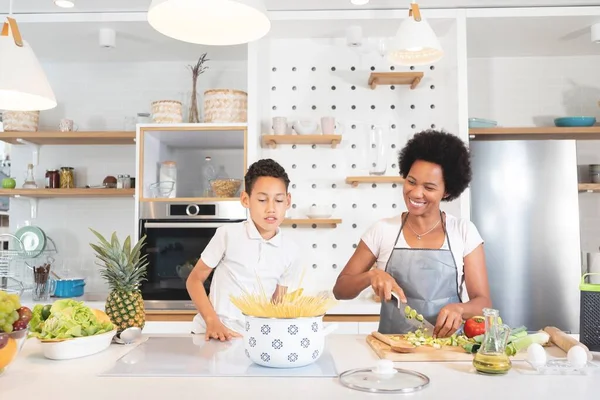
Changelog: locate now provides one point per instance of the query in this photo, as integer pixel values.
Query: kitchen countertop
(77, 379)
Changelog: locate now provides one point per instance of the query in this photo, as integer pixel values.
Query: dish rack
(16, 263)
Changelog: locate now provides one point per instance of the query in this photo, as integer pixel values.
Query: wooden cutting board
(421, 353)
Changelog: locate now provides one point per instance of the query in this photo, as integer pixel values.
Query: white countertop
(77, 379)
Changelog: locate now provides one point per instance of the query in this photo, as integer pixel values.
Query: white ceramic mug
(329, 126)
(67, 125)
(280, 125)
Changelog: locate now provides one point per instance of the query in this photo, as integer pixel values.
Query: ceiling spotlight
(107, 38)
(354, 36)
(65, 3)
(359, 2)
(596, 33)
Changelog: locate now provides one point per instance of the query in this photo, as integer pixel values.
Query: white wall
(532, 91)
(99, 97)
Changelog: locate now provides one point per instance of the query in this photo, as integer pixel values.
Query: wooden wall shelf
(312, 221)
(69, 138)
(535, 133)
(395, 78)
(273, 140)
(190, 199)
(589, 187)
(356, 180)
(77, 192)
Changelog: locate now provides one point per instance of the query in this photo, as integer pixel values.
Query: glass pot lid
(384, 378)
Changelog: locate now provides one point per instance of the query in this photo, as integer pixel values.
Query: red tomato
(474, 326)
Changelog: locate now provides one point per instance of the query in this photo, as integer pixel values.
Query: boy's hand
(217, 330)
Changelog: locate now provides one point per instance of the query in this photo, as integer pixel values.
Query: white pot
(285, 343)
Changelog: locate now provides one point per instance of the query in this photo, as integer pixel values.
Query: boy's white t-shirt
(240, 256)
(464, 237)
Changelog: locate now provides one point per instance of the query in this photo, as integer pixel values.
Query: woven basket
(225, 105)
(167, 112)
(21, 121)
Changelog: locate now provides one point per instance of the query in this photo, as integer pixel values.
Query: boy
(243, 251)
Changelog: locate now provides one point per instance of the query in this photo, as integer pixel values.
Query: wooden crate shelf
(395, 78)
(273, 140)
(589, 187)
(535, 133)
(70, 138)
(77, 192)
(356, 180)
(312, 221)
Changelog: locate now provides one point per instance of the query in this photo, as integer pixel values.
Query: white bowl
(318, 216)
(285, 342)
(78, 347)
(305, 127)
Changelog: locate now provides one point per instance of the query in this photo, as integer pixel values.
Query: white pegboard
(311, 78)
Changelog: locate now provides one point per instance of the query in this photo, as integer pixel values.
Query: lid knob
(385, 367)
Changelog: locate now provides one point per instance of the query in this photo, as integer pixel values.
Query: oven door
(173, 247)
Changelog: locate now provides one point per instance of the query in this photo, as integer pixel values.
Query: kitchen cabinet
(188, 145)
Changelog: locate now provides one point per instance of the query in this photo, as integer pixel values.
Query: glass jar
(126, 181)
(208, 174)
(119, 181)
(144, 118)
(377, 154)
(168, 173)
(67, 178)
(52, 179)
(29, 178)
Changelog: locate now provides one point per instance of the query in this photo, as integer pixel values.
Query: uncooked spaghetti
(291, 305)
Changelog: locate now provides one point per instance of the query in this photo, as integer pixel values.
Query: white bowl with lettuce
(69, 329)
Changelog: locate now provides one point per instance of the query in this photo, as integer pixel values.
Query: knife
(413, 318)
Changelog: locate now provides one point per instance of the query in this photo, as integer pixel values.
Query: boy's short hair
(265, 167)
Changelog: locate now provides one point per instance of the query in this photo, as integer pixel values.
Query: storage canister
(225, 105)
(589, 317)
(168, 173)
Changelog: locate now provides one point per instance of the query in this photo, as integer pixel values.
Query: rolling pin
(564, 341)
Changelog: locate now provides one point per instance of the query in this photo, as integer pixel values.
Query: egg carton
(560, 366)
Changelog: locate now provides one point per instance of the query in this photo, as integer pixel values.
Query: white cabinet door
(365, 328)
(344, 328)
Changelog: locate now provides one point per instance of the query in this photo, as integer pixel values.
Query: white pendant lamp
(23, 83)
(210, 22)
(415, 42)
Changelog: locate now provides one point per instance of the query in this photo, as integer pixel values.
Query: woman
(432, 260)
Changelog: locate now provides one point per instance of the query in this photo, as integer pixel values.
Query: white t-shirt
(463, 235)
(240, 254)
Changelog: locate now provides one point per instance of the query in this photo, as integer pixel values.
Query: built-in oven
(176, 234)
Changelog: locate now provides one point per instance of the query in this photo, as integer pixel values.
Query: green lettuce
(67, 319)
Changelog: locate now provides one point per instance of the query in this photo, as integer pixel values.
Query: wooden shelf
(189, 199)
(535, 133)
(69, 138)
(312, 221)
(77, 192)
(273, 140)
(395, 78)
(589, 187)
(356, 180)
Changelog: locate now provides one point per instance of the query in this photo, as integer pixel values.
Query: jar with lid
(67, 178)
(209, 174)
(52, 179)
(126, 181)
(168, 173)
(144, 118)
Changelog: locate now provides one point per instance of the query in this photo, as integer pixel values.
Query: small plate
(575, 121)
(33, 240)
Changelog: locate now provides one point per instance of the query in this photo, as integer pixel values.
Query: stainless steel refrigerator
(524, 202)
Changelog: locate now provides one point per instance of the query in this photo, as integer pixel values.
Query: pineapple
(124, 270)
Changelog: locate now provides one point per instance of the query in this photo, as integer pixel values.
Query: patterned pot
(285, 343)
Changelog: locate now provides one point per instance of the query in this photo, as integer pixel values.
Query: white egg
(536, 355)
(577, 357)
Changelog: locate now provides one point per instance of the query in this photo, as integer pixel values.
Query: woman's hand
(217, 330)
(383, 285)
(449, 320)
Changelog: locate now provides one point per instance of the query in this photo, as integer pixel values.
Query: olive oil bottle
(491, 358)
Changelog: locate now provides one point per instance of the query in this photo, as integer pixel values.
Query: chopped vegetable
(522, 343)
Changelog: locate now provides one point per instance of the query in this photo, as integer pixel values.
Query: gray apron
(428, 278)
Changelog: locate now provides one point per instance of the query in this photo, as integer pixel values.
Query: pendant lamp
(23, 83)
(415, 42)
(210, 22)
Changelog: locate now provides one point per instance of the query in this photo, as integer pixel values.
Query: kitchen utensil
(589, 304)
(564, 341)
(384, 378)
(33, 240)
(285, 342)
(406, 311)
(575, 121)
(482, 123)
(319, 212)
(129, 335)
(71, 287)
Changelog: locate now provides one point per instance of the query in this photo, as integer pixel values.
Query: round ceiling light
(65, 3)
(210, 22)
(359, 2)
